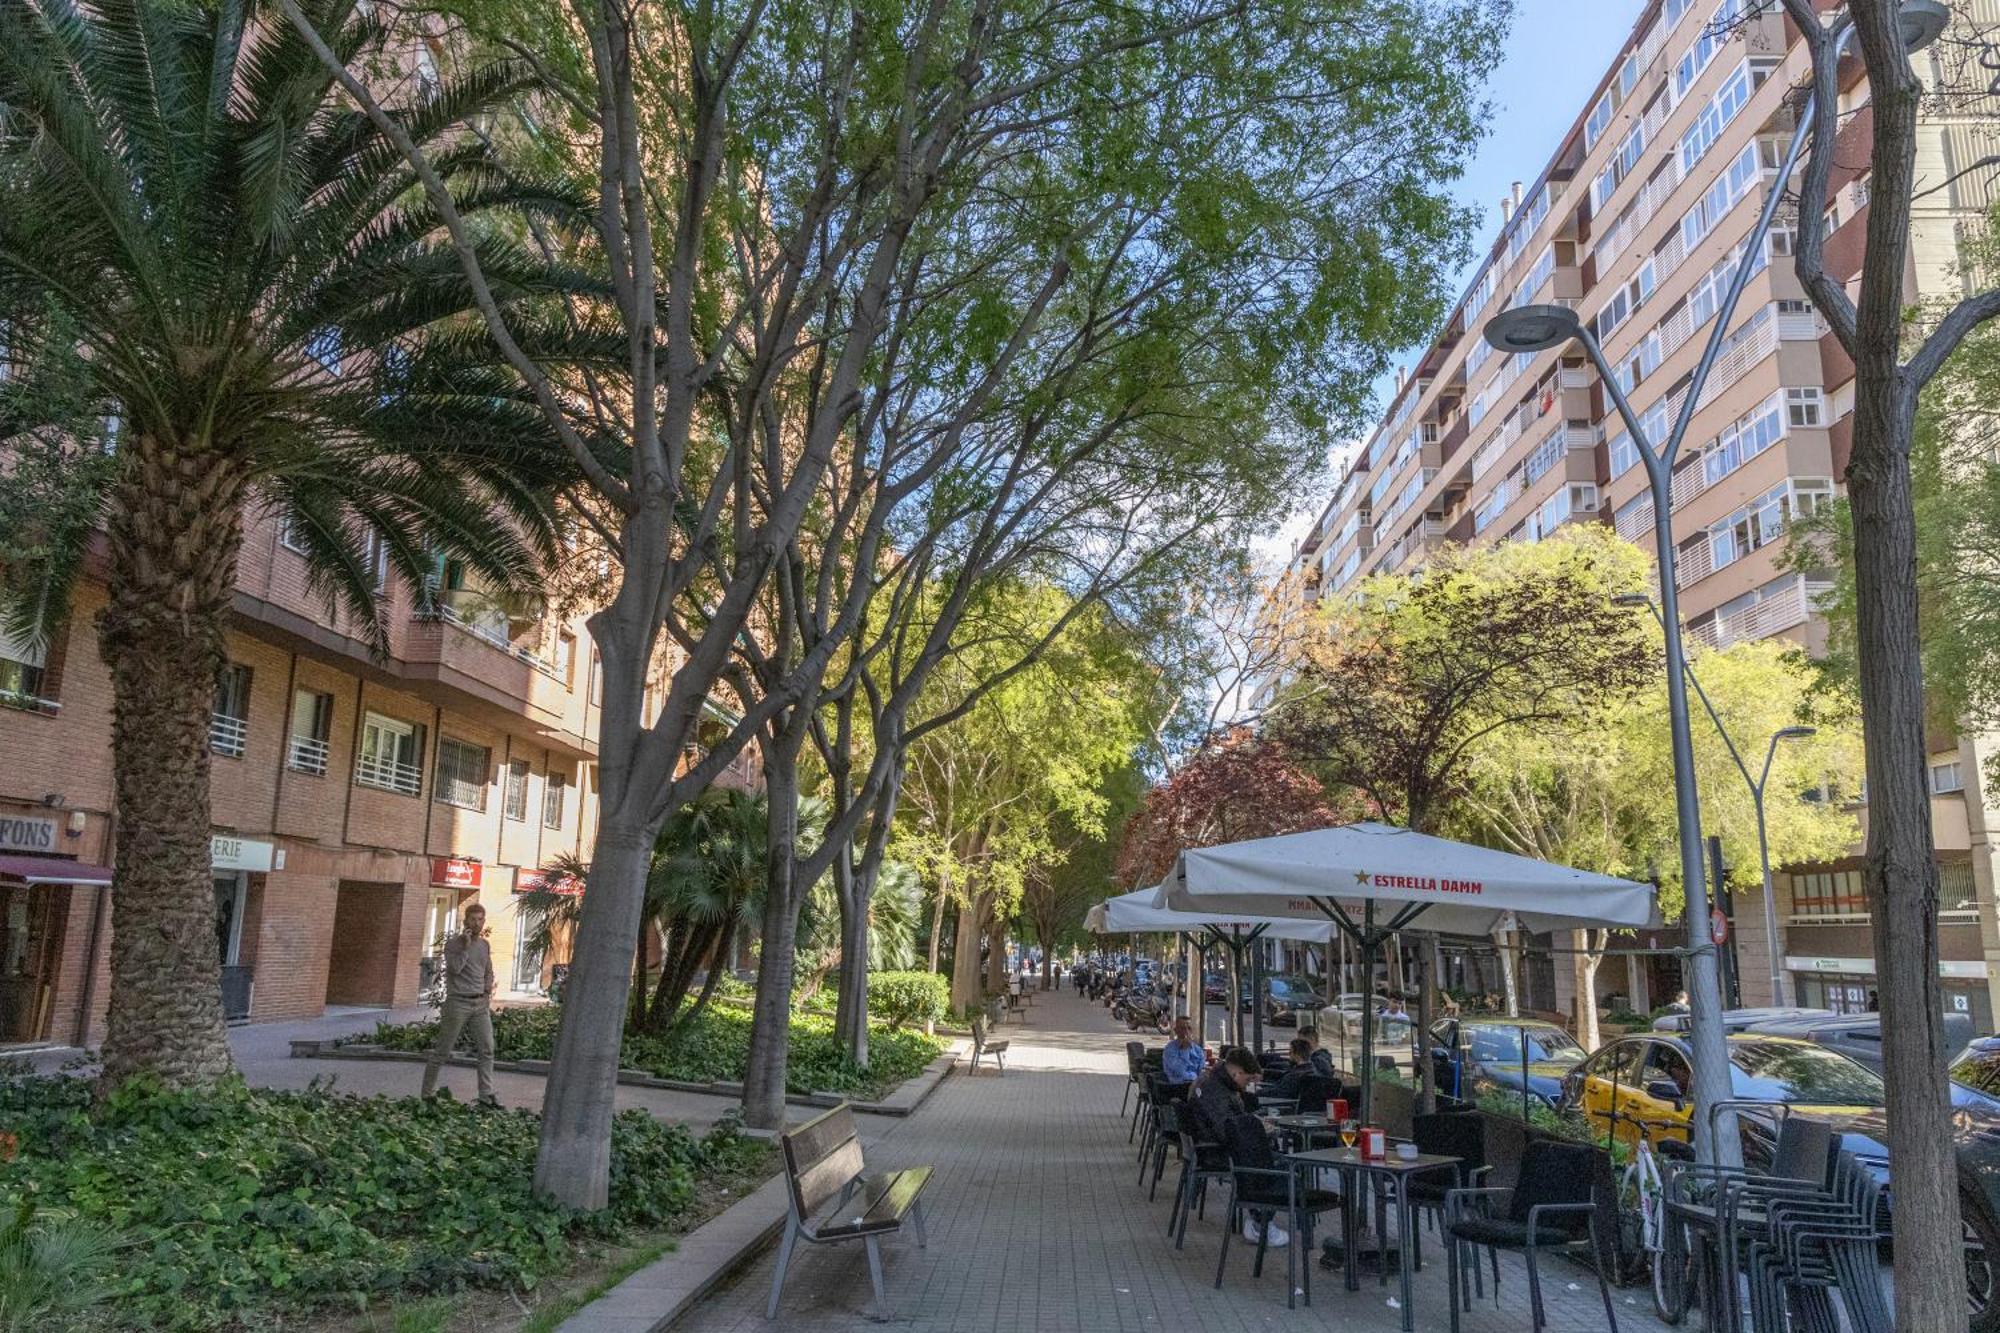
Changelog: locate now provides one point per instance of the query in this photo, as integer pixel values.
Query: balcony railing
(1786, 609)
(306, 754)
(388, 775)
(1636, 522)
(227, 734)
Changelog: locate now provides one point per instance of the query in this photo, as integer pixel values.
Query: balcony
(306, 754)
(388, 775)
(1785, 609)
(1634, 523)
(227, 735)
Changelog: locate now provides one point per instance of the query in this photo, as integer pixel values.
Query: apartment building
(361, 803)
(1638, 221)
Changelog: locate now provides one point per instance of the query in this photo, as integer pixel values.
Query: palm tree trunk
(175, 529)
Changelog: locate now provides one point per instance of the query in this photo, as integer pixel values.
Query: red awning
(51, 870)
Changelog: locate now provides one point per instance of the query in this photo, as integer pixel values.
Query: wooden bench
(823, 1162)
(981, 1045)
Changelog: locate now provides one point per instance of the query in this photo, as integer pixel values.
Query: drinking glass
(1348, 1129)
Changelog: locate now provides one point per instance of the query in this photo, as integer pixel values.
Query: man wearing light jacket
(468, 999)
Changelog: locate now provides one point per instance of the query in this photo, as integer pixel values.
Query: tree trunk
(850, 1016)
(1588, 958)
(175, 530)
(573, 1163)
(771, 1023)
(996, 954)
(937, 923)
(1509, 982)
(1901, 874)
(965, 996)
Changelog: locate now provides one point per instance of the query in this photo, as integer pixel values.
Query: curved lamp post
(1780, 991)
(1536, 328)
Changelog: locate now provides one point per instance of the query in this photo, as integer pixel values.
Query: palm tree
(706, 878)
(239, 268)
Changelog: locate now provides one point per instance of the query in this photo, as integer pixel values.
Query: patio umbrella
(1347, 874)
(1138, 913)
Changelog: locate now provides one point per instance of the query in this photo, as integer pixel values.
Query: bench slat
(827, 1177)
(819, 1136)
(884, 1202)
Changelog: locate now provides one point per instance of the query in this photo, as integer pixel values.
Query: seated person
(1300, 1068)
(1222, 1092)
(1183, 1060)
(1322, 1059)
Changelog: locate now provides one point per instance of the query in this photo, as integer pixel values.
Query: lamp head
(1922, 22)
(1532, 328)
(1796, 733)
(1632, 599)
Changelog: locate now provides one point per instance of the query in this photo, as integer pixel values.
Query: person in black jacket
(1222, 1092)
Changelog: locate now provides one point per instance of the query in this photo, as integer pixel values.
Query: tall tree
(233, 268)
(1868, 319)
(1403, 681)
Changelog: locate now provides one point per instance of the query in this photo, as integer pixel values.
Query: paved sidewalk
(1035, 1223)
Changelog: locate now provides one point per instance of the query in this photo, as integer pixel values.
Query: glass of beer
(1348, 1130)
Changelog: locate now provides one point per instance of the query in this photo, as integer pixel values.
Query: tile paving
(1035, 1223)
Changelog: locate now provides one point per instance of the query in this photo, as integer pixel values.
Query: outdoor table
(1304, 1126)
(1275, 1104)
(1396, 1172)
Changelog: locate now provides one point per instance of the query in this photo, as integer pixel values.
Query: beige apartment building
(360, 802)
(1638, 221)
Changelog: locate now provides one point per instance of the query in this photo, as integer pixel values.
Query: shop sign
(453, 872)
(531, 881)
(19, 834)
(231, 853)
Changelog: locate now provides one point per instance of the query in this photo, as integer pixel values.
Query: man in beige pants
(468, 995)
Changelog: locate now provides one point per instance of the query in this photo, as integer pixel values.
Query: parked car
(1859, 1036)
(1215, 988)
(1341, 1022)
(1742, 1020)
(1474, 1055)
(1647, 1076)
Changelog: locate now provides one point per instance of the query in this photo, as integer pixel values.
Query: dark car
(1285, 998)
(1742, 1020)
(1475, 1055)
(1646, 1076)
(1215, 988)
(1858, 1036)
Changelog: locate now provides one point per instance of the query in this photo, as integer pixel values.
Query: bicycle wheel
(1673, 1272)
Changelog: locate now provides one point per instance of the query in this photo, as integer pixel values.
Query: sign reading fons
(20, 834)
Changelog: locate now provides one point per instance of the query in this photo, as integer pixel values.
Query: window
(1740, 442)
(461, 773)
(1600, 121)
(1714, 118)
(1828, 894)
(1762, 521)
(552, 801)
(1955, 889)
(392, 754)
(1805, 407)
(21, 669)
(312, 723)
(1624, 454)
(324, 348)
(1714, 35)
(1545, 456)
(229, 724)
(516, 803)
(1947, 776)
(288, 533)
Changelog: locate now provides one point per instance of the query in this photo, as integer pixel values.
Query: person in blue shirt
(1184, 1059)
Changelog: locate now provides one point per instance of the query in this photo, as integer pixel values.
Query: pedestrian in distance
(468, 1001)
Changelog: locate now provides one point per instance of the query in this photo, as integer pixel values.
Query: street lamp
(1757, 786)
(1536, 328)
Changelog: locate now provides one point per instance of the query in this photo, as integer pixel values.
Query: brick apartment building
(360, 803)
(1637, 221)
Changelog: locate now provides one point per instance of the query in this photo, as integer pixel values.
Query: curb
(700, 1261)
(906, 1098)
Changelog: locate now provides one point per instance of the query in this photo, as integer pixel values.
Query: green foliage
(713, 1046)
(235, 1204)
(50, 1268)
(904, 999)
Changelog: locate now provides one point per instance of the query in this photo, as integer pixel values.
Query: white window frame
(509, 790)
(1947, 776)
(1805, 407)
(392, 772)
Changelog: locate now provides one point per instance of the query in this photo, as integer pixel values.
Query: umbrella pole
(1257, 997)
(1370, 946)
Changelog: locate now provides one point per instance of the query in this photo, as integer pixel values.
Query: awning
(52, 870)
(1136, 914)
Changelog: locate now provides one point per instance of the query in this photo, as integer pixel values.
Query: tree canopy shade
(1401, 682)
(954, 244)
(206, 253)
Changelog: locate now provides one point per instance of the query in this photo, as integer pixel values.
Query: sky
(1556, 52)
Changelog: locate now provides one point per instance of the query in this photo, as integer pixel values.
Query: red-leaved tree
(1237, 786)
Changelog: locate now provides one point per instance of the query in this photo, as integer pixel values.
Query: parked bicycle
(1646, 1235)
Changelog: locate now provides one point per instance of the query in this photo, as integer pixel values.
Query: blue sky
(1555, 54)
